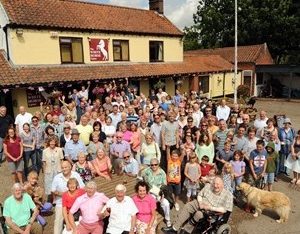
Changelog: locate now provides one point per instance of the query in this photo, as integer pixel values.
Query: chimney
(157, 5)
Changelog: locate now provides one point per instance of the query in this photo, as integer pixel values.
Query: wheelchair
(211, 223)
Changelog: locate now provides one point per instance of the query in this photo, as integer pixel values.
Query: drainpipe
(6, 40)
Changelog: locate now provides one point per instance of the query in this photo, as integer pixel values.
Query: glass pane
(77, 51)
(117, 53)
(65, 53)
(160, 51)
(125, 50)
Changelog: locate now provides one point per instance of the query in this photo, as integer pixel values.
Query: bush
(243, 91)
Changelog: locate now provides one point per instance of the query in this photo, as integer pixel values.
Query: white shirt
(21, 119)
(115, 118)
(84, 94)
(259, 124)
(155, 129)
(223, 112)
(160, 95)
(197, 116)
(59, 184)
(120, 215)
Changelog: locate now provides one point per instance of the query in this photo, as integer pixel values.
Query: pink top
(127, 136)
(101, 168)
(145, 207)
(89, 206)
(136, 141)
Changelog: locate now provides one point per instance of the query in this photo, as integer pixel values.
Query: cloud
(180, 12)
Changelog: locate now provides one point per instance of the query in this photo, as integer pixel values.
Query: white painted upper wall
(3, 21)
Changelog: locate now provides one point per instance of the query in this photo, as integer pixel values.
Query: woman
(68, 199)
(293, 160)
(266, 131)
(94, 145)
(127, 133)
(150, 149)
(52, 158)
(94, 118)
(205, 147)
(101, 165)
(146, 217)
(135, 141)
(66, 136)
(71, 108)
(97, 128)
(212, 125)
(143, 129)
(109, 130)
(70, 121)
(28, 140)
(50, 133)
(83, 168)
(13, 150)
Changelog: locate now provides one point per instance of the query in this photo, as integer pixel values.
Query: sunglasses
(119, 137)
(190, 121)
(34, 121)
(125, 157)
(204, 125)
(152, 165)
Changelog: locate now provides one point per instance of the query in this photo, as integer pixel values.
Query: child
(228, 176)
(205, 166)
(38, 195)
(192, 172)
(224, 155)
(188, 147)
(270, 166)
(174, 176)
(238, 166)
(232, 140)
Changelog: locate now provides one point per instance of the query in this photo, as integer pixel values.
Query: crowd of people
(185, 143)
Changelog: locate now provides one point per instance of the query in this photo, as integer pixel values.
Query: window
(247, 77)
(156, 51)
(121, 50)
(204, 84)
(259, 78)
(71, 50)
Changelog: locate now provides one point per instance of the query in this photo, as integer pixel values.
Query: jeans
(29, 155)
(1, 149)
(38, 157)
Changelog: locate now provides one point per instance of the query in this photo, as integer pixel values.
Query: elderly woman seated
(101, 165)
(156, 178)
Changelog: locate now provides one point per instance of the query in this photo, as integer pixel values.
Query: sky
(180, 12)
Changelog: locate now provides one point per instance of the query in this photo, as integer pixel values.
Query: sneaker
(177, 207)
(168, 223)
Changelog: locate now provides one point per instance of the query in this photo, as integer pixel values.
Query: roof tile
(72, 14)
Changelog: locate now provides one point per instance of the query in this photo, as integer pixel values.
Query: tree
(276, 22)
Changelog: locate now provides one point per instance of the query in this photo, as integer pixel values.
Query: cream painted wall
(216, 86)
(145, 87)
(19, 98)
(37, 47)
(170, 86)
(3, 22)
(185, 87)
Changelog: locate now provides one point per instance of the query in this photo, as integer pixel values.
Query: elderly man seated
(156, 177)
(213, 197)
(17, 212)
(130, 166)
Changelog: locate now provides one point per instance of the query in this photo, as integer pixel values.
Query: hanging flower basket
(159, 85)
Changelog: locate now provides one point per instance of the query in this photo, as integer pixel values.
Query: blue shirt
(131, 167)
(73, 149)
(259, 159)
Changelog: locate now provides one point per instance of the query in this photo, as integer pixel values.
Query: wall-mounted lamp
(19, 32)
(54, 34)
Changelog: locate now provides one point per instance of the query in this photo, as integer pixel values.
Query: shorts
(269, 178)
(16, 166)
(175, 188)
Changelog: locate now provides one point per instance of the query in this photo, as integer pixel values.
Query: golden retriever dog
(261, 199)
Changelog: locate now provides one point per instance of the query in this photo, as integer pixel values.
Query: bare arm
(12, 225)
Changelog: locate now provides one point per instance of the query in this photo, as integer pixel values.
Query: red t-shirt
(205, 169)
(13, 148)
(68, 201)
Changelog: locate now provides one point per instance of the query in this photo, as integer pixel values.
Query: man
(223, 111)
(155, 129)
(131, 116)
(130, 165)
(74, 147)
(90, 204)
(107, 105)
(221, 135)
(197, 114)
(213, 197)
(84, 92)
(156, 178)
(22, 117)
(115, 115)
(169, 137)
(191, 129)
(17, 212)
(58, 127)
(246, 122)
(5, 122)
(38, 131)
(240, 139)
(161, 94)
(117, 150)
(84, 130)
(58, 187)
(122, 213)
(261, 122)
